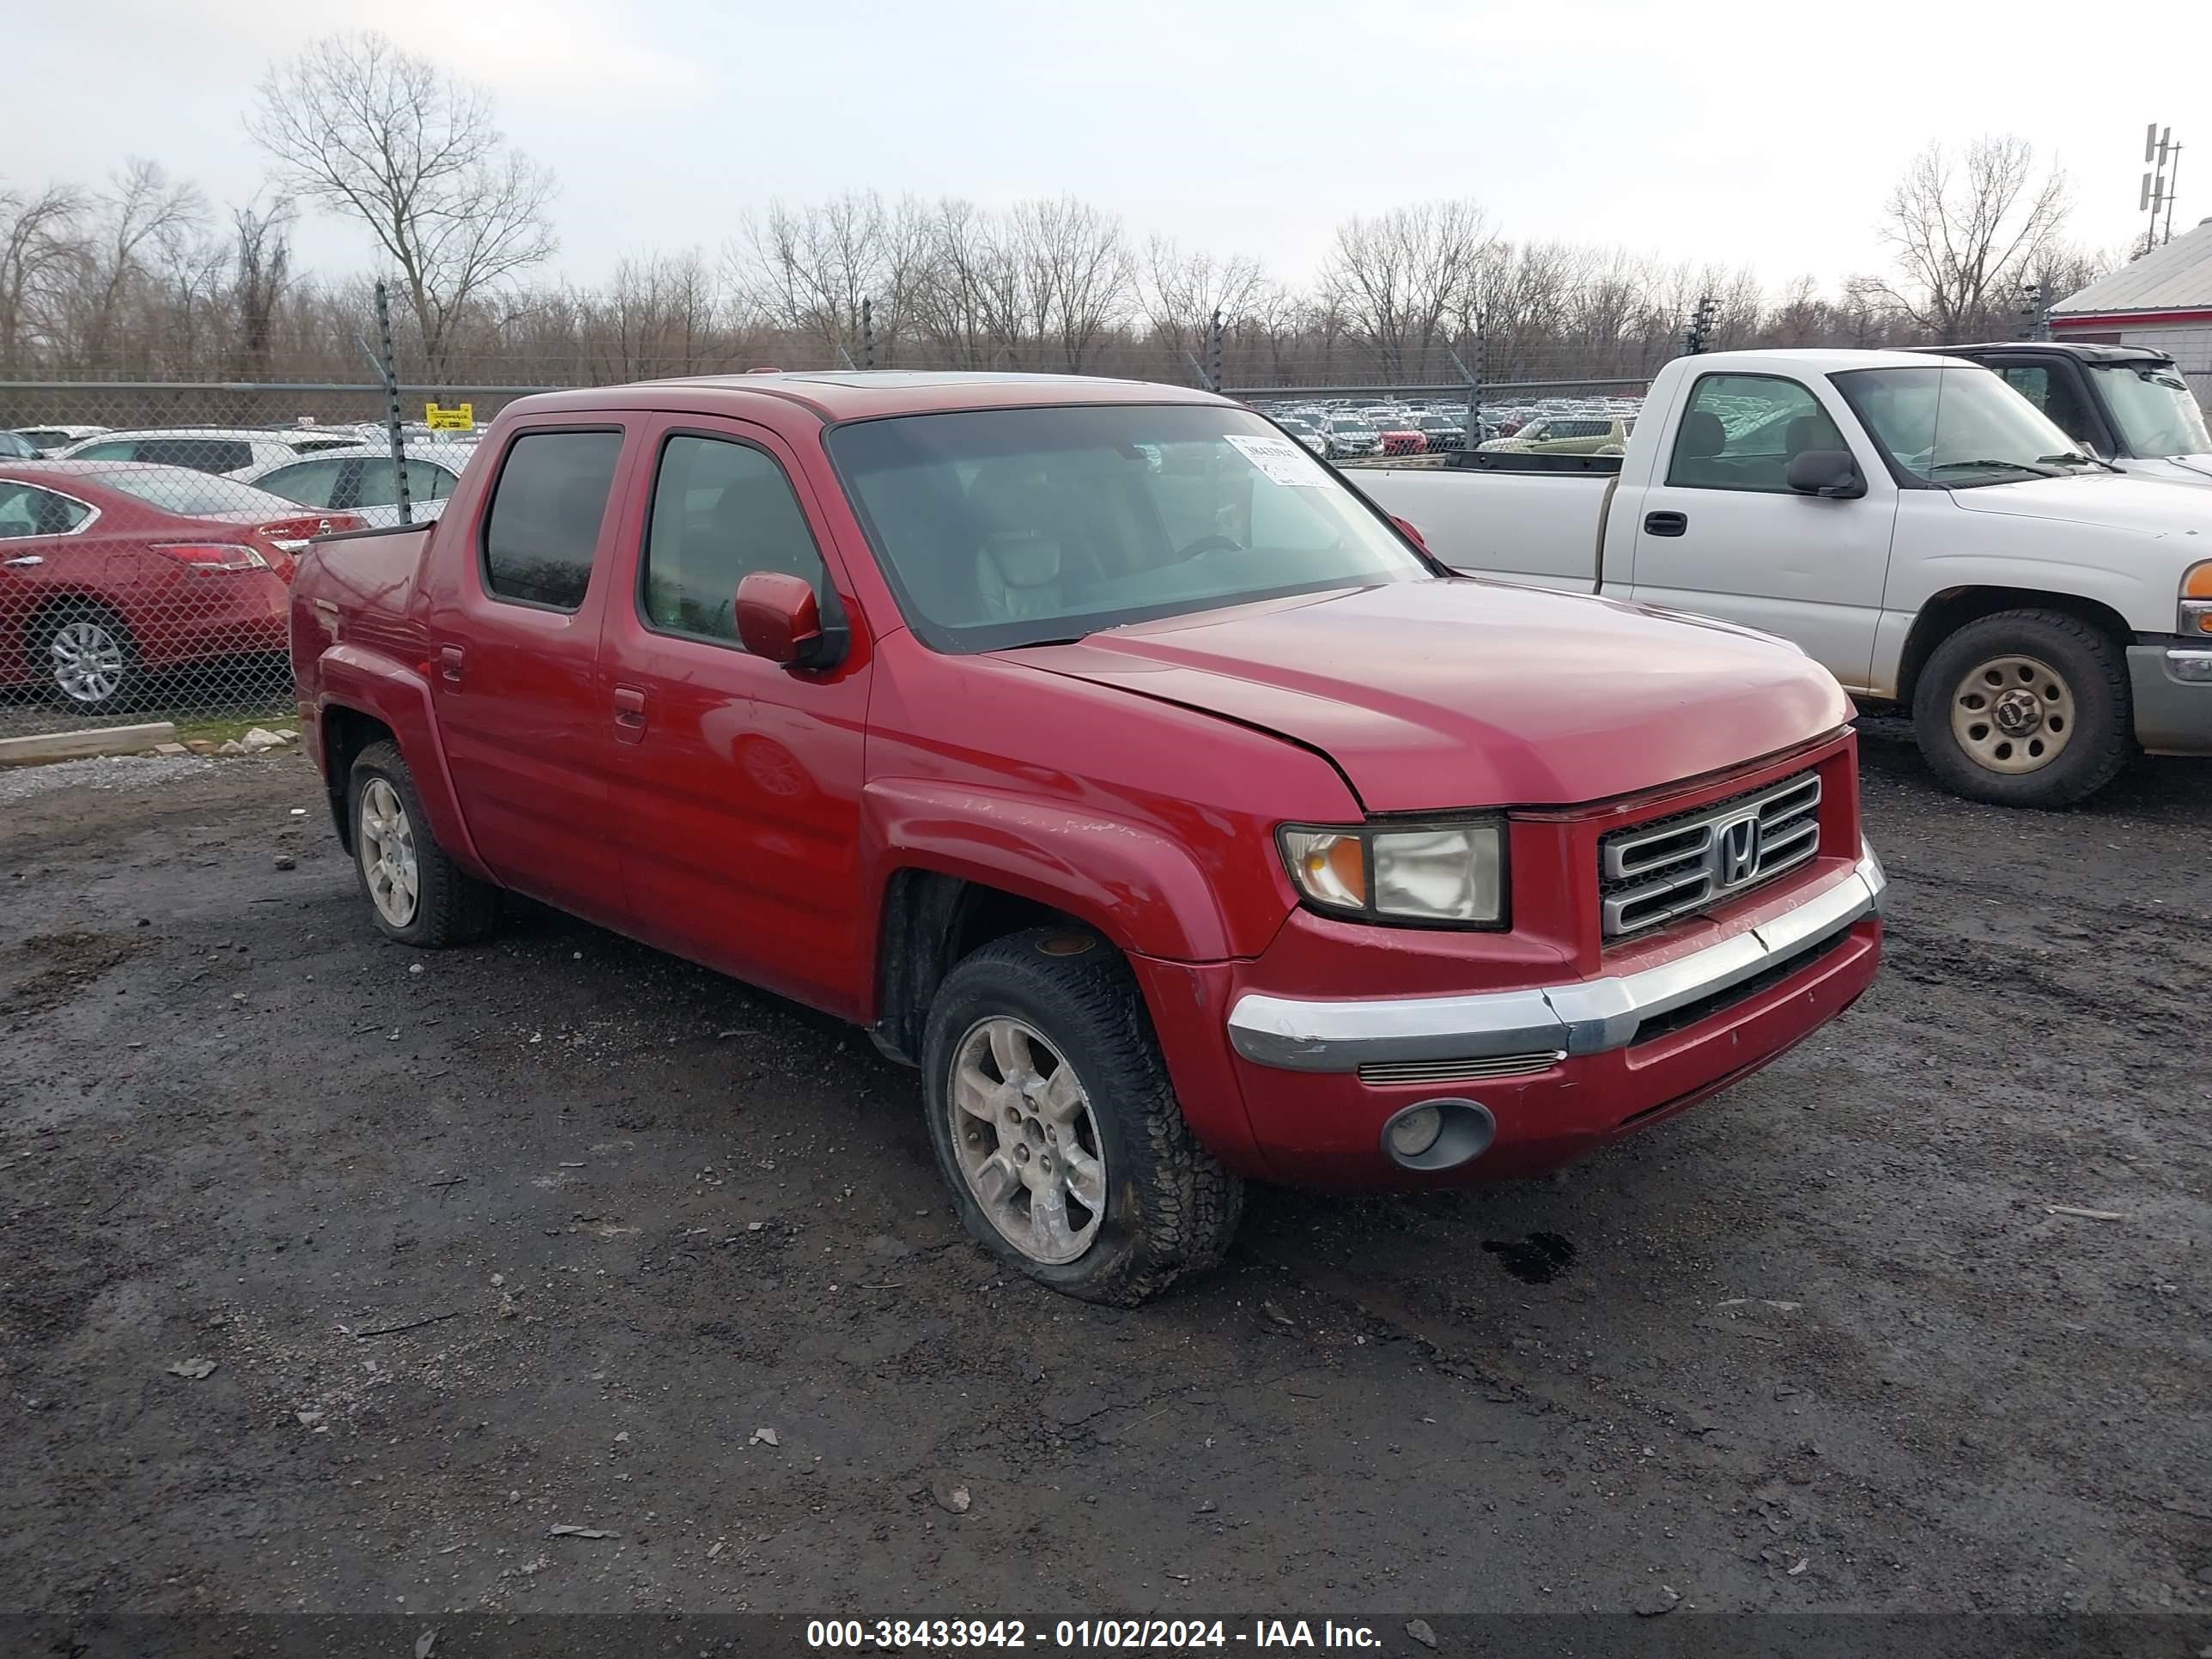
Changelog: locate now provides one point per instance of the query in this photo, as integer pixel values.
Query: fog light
(1413, 1131)
(2193, 666)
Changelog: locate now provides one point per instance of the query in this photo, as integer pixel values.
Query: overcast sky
(1761, 134)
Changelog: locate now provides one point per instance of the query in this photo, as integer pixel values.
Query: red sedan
(111, 571)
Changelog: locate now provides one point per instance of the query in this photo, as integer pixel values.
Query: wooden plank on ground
(77, 745)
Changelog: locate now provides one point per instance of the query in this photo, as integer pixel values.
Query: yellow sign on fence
(462, 417)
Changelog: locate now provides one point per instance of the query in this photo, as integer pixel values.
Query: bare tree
(1401, 279)
(141, 218)
(810, 270)
(949, 305)
(1083, 280)
(38, 249)
(262, 268)
(660, 317)
(1180, 292)
(1963, 233)
(414, 154)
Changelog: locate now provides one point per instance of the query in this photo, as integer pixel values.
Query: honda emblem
(1735, 847)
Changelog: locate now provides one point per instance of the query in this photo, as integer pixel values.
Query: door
(737, 782)
(513, 660)
(312, 483)
(1723, 535)
(53, 580)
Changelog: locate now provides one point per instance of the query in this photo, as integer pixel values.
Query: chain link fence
(149, 528)
(147, 536)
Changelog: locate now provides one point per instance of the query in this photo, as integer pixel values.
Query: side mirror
(780, 619)
(1831, 472)
(1410, 532)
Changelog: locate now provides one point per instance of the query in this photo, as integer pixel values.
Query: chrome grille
(1458, 1070)
(1673, 867)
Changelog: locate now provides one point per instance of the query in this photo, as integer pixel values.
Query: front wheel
(1056, 1128)
(2024, 709)
(416, 891)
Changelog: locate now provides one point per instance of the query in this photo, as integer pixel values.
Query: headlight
(2197, 600)
(1430, 872)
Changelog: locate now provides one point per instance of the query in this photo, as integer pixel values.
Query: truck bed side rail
(1491, 461)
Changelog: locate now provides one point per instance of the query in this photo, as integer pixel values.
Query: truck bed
(1538, 525)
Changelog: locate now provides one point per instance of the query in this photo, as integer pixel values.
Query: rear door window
(312, 483)
(26, 510)
(201, 455)
(542, 533)
(376, 487)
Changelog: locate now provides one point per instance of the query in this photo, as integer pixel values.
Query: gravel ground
(560, 1232)
(20, 783)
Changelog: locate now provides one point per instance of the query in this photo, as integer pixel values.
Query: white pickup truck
(1911, 522)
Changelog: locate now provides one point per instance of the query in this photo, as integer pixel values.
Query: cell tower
(2163, 157)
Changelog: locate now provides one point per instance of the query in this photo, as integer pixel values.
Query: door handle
(1665, 524)
(450, 659)
(629, 713)
(27, 562)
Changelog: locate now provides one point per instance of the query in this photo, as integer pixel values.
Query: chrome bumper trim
(1588, 1018)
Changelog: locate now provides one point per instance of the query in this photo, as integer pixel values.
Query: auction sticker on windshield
(1281, 459)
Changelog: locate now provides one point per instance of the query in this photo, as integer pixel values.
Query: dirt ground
(559, 1232)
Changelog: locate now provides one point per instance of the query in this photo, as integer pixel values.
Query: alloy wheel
(87, 660)
(387, 853)
(1027, 1140)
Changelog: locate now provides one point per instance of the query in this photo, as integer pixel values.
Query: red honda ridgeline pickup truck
(1106, 757)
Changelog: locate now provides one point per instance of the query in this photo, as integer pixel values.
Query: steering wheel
(1209, 545)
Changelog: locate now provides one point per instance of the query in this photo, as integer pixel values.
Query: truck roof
(863, 394)
(2087, 352)
(1829, 360)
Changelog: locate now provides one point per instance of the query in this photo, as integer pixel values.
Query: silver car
(359, 478)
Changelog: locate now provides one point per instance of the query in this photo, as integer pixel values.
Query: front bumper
(1588, 1017)
(1561, 1069)
(2173, 714)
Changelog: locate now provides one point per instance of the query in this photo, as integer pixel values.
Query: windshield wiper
(2071, 460)
(2017, 466)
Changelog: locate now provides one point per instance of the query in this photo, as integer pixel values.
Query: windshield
(1958, 428)
(2154, 407)
(197, 494)
(1010, 527)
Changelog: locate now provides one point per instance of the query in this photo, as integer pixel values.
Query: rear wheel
(417, 894)
(85, 654)
(2024, 709)
(1056, 1128)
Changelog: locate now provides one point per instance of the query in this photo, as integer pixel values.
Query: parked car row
(1344, 429)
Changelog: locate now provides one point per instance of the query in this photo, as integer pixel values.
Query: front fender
(398, 696)
(1140, 890)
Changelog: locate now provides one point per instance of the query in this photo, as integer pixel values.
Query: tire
(1169, 1208)
(2060, 722)
(85, 658)
(390, 831)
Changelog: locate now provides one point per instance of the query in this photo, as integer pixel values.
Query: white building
(2162, 301)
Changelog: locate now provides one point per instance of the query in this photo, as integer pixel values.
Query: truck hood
(1433, 696)
(2172, 469)
(2146, 505)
